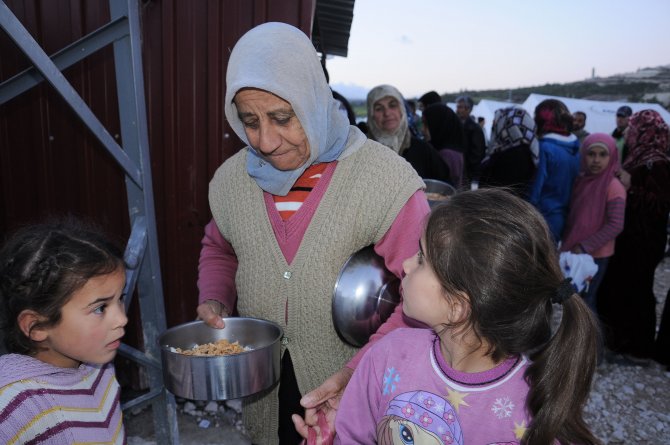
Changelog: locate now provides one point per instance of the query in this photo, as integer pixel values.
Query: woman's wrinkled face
(387, 114)
(272, 128)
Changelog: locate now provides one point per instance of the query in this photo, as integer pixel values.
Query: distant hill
(645, 85)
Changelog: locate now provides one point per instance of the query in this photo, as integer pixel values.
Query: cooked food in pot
(220, 347)
(432, 196)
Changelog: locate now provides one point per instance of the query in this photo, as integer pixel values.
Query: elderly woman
(626, 300)
(387, 124)
(307, 192)
(513, 153)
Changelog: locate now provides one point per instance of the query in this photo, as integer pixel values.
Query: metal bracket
(123, 31)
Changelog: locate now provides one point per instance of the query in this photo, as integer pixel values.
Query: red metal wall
(49, 163)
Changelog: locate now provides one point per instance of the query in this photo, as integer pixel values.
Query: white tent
(600, 115)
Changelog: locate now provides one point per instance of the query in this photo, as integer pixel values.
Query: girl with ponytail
(491, 368)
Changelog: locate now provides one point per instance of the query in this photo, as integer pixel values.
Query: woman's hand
(211, 312)
(321, 407)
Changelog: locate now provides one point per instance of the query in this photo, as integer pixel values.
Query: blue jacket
(556, 172)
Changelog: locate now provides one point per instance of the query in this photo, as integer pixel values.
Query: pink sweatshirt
(218, 262)
(405, 389)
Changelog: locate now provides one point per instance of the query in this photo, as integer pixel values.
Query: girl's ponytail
(560, 375)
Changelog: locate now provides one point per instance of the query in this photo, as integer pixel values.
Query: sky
(449, 46)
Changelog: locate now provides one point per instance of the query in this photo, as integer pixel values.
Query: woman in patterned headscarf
(626, 299)
(513, 153)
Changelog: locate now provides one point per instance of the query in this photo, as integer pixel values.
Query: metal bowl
(437, 191)
(227, 376)
(365, 295)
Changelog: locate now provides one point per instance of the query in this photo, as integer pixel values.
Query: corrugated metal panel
(50, 164)
(332, 23)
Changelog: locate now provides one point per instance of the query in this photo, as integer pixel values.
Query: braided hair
(41, 266)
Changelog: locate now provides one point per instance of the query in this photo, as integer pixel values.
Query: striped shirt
(45, 404)
(291, 203)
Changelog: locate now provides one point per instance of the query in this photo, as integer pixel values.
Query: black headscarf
(446, 130)
(430, 98)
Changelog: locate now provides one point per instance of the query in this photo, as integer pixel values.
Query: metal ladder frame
(141, 255)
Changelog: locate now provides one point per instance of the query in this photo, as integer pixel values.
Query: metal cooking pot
(227, 376)
(365, 295)
(433, 186)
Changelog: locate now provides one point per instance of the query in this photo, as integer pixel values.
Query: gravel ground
(629, 404)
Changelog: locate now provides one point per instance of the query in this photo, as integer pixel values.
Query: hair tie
(564, 291)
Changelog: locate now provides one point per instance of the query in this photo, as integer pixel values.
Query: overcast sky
(448, 45)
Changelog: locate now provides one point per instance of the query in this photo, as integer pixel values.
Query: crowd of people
(468, 356)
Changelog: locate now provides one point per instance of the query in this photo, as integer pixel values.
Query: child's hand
(319, 434)
(321, 407)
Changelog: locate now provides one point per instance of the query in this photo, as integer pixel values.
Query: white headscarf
(280, 59)
(399, 140)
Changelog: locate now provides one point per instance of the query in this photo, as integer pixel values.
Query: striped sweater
(288, 205)
(44, 404)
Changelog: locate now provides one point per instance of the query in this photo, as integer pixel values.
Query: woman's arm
(216, 277)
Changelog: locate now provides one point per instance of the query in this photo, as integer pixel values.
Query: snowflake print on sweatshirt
(503, 407)
(390, 379)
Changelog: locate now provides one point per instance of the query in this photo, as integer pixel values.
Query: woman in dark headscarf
(513, 153)
(444, 131)
(558, 164)
(429, 99)
(626, 298)
(388, 124)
